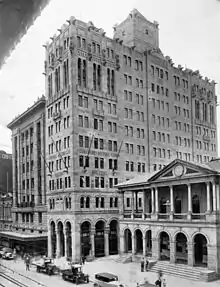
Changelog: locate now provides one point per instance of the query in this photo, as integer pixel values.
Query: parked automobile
(107, 280)
(75, 274)
(6, 253)
(46, 265)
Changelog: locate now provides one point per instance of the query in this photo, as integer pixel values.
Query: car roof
(107, 275)
(76, 265)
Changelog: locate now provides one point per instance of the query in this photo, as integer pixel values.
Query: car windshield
(7, 250)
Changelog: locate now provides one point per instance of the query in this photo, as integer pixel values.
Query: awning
(23, 236)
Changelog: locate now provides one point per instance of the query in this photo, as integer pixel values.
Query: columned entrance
(149, 243)
(53, 239)
(68, 240)
(128, 240)
(85, 238)
(61, 239)
(139, 241)
(99, 239)
(164, 246)
(113, 237)
(200, 250)
(181, 248)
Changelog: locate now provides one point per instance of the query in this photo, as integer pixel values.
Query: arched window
(53, 205)
(66, 203)
(195, 204)
(82, 202)
(178, 205)
(99, 77)
(79, 72)
(87, 202)
(84, 73)
(163, 205)
(70, 202)
(116, 202)
(102, 204)
(94, 76)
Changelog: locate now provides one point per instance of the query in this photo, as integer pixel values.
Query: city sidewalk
(130, 274)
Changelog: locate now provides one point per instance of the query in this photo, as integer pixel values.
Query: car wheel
(87, 279)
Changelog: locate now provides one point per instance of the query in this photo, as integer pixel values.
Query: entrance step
(124, 258)
(184, 271)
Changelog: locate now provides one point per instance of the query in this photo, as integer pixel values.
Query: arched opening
(178, 205)
(128, 240)
(53, 239)
(61, 239)
(164, 246)
(163, 208)
(181, 248)
(139, 241)
(149, 243)
(68, 240)
(85, 238)
(113, 237)
(195, 204)
(200, 250)
(99, 239)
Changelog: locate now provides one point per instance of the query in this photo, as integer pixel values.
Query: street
(128, 273)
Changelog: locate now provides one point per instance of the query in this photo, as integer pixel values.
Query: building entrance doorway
(200, 250)
(128, 240)
(164, 246)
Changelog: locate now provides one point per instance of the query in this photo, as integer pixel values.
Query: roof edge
(39, 102)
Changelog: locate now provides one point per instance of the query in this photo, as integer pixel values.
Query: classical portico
(177, 220)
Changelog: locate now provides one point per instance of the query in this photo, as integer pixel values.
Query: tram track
(33, 281)
(13, 282)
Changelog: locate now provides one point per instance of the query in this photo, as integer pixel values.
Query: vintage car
(106, 279)
(74, 274)
(6, 253)
(46, 265)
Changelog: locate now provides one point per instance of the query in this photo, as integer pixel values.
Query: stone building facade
(29, 211)
(179, 221)
(110, 117)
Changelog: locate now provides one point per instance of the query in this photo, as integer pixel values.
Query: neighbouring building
(179, 219)
(115, 108)
(29, 211)
(5, 172)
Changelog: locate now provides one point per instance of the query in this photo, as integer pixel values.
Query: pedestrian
(142, 264)
(27, 263)
(14, 255)
(146, 265)
(158, 282)
(83, 260)
(164, 283)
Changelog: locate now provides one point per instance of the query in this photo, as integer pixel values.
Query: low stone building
(179, 218)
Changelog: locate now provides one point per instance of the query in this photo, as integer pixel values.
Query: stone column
(156, 200)
(171, 203)
(172, 251)
(144, 204)
(208, 197)
(123, 202)
(190, 250)
(132, 206)
(133, 244)
(76, 244)
(106, 236)
(65, 243)
(152, 200)
(155, 249)
(122, 244)
(49, 243)
(136, 202)
(58, 244)
(92, 238)
(214, 196)
(144, 244)
(189, 202)
(217, 197)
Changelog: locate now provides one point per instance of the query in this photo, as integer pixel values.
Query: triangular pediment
(179, 169)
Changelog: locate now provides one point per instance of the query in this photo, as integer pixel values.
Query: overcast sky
(189, 34)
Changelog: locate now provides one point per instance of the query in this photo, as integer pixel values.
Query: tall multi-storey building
(5, 173)
(115, 108)
(29, 211)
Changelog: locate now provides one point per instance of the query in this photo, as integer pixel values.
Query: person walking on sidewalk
(142, 264)
(28, 259)
(146, 264)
